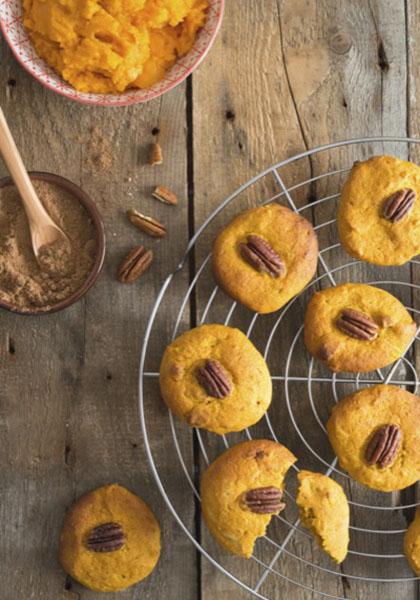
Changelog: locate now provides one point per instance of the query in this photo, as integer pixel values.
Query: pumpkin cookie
(376, 436)
(213, 377)
(379, 213)
(356, 327)
(265, 256)
(412, 543)
(325, 511)
(241, 490)
(110, 539)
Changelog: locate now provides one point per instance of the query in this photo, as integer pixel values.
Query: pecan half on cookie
(214, 379)
(398, 205)
(357, 325)
(384, 445)
(262, 256)
(106, 538)
(264, 500)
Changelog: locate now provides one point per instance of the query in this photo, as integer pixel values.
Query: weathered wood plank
(323, 71)
(304, 73)
(68, 403)
(249, 123)
(413, 49)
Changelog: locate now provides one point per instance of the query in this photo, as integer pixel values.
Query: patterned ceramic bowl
(18, 40)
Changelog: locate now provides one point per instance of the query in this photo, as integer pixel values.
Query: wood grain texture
(68, 400)
(282, 77)
(337, 70)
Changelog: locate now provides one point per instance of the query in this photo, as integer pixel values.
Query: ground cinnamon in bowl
(29, 285)
(57, 259)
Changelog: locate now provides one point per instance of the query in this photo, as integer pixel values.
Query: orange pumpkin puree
(109, 46)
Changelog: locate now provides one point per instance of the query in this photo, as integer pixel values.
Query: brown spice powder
(57, 258)
(100, 151)
(22, 282)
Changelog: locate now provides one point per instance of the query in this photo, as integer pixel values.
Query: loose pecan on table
(106, 538)
(134, 264)
(146, 224)
(156, 155)
(213, 378)
(384, 445)
(165, 195)
(264, 500)
(260, 255)
(357, 325)
(398, 205)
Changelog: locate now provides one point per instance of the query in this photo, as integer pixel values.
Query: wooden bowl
(98, 225)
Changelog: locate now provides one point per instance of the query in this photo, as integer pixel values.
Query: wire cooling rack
(304, 392)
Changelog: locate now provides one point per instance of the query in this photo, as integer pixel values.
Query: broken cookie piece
(324, 510)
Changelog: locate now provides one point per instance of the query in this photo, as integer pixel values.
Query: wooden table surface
(282, 77)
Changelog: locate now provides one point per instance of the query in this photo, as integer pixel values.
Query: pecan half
(260, 255)
(134, 264)
(146, 224)
(384, 445)
(398, 205)
(165, 195)
(106, 538)
(213, 378)
(156, 155)
(264, 500)
(357, 325)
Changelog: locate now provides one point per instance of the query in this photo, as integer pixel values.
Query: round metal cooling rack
(402, 372)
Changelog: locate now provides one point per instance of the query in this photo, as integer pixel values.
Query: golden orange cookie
(375, 434)
(357, 327)
(110, 539)
(265, 257)
(213, 377)
(241, 490)
(324, 509)
(379, 212)
(412, 543)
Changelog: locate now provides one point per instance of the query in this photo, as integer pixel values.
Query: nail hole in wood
(133, 445)
(11, 82)
(155, 131)
(240, 146)
(67, 451)
(11, 346)
(344, 103)
(382, 57)
(109, 376)
(230, 115)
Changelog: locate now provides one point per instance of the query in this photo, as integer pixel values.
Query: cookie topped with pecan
(110, 539)
(265, 257)
(379, 212)
(214, 378)
(357, 327)
(242, 490)
(375, 434)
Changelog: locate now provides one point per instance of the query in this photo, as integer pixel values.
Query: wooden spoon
(43, 229)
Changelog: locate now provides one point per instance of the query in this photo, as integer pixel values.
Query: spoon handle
(33, 206)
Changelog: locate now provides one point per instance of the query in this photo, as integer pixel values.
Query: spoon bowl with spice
(51, 282)
(47, 237)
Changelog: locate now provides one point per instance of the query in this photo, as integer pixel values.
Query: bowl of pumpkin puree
(111, 52)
